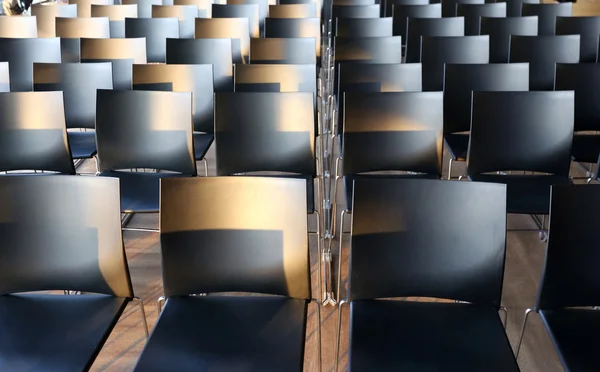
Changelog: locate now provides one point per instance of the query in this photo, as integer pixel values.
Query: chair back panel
(355, 11)
(18, 27)
(186, 14)
(202, 5)
(248, 11)
(156, 31)
(93, 28)
(263, 10)
(121, 72)
(84, 7)
(21, 54)
(290, 28)
(588, 28)
(293, 11)
(103, 49)
(547, 14)
(115, 12)
(389, 5)
(474, 12)
(144, 6)
(46, 15)
(4, 77)
(513, 7)
(368, 49)
(419, 28)
(403, 12)
(500, 30)
(235, 29)
(584, 80)
(292, 51)
(364, 27)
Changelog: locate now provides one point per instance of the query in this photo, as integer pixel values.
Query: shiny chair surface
(293, 11)
(368, 49)
(21, 54)
(514, 7)
(248, 11)
(84, 7)
(354, 11)
(156, 31)
(18, 27)
(401, 14)
(99, 49)
(364, 27)
(263, 10)
(4, 77)
(419, 28)
(547, 14)
(235, 29)
(202, 5)
(144, 6)
(588, 29)
(76, 28)
(186, 14)
(500, 31)
(295, 51)
(116, 15)
(291, 28)
(389, 5)
(474, 12)
(45, 15)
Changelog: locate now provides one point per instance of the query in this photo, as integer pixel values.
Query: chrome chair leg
(159, 304)
(527, 312)
(143, 312)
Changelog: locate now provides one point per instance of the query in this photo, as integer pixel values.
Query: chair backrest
(45, 15)
(364, 27)
(368, 49)
(474, 12)
(186, 14)
(588, 28)
(108, 49)
(266, 132)
(537, 125)
(263, 10)
(73, 28)
(216, 52)
(389, 5)
(84, 7)
(156, 31)
(202, 5)
(22, 53)
(33, 134)
(144, 6)
(547, 14)
(570, 276)
(248, 11)
(403, 12)
(542, 53)
(62, 233)
(396, 253)
(393, 131)
(4, 77)
(286, 28)
(438, 51)
(419, 28)
(258, 242)
(293, 11)
(584, 80)
(283, 51)
(197, 79)
(78, 82)
(116, 15)
(131, 135)
(70, 50)
(513, 7)
(354, 2)
(235, 29)
(18, 27)
(121, 71)
(500, 30)
(461, 80)
(354, 11)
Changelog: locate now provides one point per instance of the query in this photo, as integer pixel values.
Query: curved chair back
(389, 5)
(368, 49)
(438, 51)
(130, 135)
(570, 277)
(4, 77)
(216, 52)
(248, 11)
(74, 28)
(62, 233)
(266, 132)
(403, 12)
(513, 7)
(18, 27)
(584, 80)
(353, 2)
(293, 51)
(33, 133)
(79, 83)
(419, 28)
(293, 11)
(121, 71)
(500, 30)
(108, 49)
(45, 15)
(537, 125)
(186, 14)
(588, 28)
(197, 79)
(204, 6)
(261, 222)
(547, 14)
(144, 6)
(474, 12)
(289, 28)
(263, 10)
(84, 7)
(22, 53)
(364, 27)
(235, 29)
(461, 80)
(156, 31)
(394, 246)
(354, 11)
(116, 15)
(543, 53)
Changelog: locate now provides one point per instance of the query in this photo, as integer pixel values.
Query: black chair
(186, 14)
(474, 12)
(21, 54)
(403, 12)
(144, 6)
(235, 29)
(33, 133)
(368, 49)
(78, 82)
(394, 252)
(204, 6)
(419, 28)
(18, 27)
(197, 79)
(513, 7)
(290, 28)
(84, 7)
(389, 5)
(46, 14)
(293, 11)
(76, 28)
(354, 11)
(129, 135)
(547, 14)
(355, 2)
(460, 81)
(543, 53)
(584, 80)
(204, 252)
(60, 233)
(263, 10)
(438, 51)
(291, 51)
(248, 11)
(156, 31)
(116, 15)
(364, 27)
(4, 77)
(500, 30)
(522, 131)
(569, 286)
(588, 28)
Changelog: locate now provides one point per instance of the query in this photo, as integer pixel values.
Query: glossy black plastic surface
(18, 27)
(22, 53)
(144, 6)
(368, 49)
(588, 28)
(248, 11)
(116, 15)
(186, 14)
(354, 11)
(584, 79)
(403, 12)
(293, 10)
(46, 14)
(263, 10)
(156, 31)
(474, 12)
(235, 29)
(364, 27)
(389, 4)
(94, 28)
(290, 28)
(108, 49)
(547, 14)
(500, 30)
(121, 70)
(292, 51)
(419, 28)
(204, 6)
(513, 8)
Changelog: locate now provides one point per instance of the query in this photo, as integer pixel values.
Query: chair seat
(574, 333)
(227, 333)
(427, 336)
(83, 144)
(585, 148)
(457, 145)
(525, 194)
(202, 142)
(140, 191)
(55, 333)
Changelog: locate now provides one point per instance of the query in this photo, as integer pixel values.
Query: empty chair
(542, 53)
(131, 135)
(547, 14)
(354, 11)
(403, 12)
(84, 7)
(33, 134)
(469, 335)
(389, 5)
(588, 28)
(522, 131)
(197, 79)
(364, 27)
(45, 15)
(4, 77)
(18, 27)
(235, 29)
(156, 31)
(474, 12)
(263, 10)
(204, 6)
(144, 6)
(418, 28)
(276, 78)
(74, 28)
(368, 49)
(116, 15)
(438, 51)
(460, 81)
(60, 233)
(283, 51)
(22, 53)
(248, 11)
(289, 28)
(500, 30)
(513, 7)
(186, 14)
(293, 11)
(268, 219)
